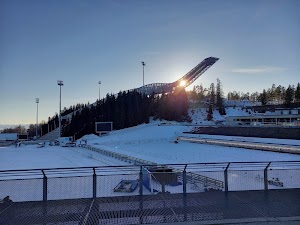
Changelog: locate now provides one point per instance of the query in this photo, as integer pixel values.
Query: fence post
(94, 183)
(266, 177)
(163, 185)
(184, 180)
(226, 177)
(141, 181)
(141, 195)
(45, 190)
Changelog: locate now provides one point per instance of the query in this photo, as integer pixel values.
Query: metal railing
(107, 181)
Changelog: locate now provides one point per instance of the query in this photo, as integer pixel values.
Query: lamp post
(37, 116)
(60, 83)
(99, 82)
(144, 64)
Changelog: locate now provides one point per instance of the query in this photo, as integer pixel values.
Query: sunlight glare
(182, 83)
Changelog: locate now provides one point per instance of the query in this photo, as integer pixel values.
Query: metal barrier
(108, 181)
(122, 157)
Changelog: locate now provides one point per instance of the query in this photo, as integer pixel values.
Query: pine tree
(289, 94)
(263, 97)
(278, 93)
(297, 94)
(220, 103)
(212, 94)
(210, 113)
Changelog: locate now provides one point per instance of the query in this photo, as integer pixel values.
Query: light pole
(144, 64)
(60, 83)
(37, 116)
(99, 82)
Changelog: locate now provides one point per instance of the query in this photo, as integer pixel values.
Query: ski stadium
(158, 173)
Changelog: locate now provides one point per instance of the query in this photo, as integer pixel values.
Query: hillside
(199, 115)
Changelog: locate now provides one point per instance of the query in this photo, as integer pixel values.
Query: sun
(182, 83)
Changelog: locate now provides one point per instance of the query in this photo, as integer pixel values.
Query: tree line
(275, 95)
(128, 109)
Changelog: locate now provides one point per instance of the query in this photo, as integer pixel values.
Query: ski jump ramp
(185, 81)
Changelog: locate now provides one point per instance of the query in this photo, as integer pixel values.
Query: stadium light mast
(60, 83)
(99, 82)
(37, 116)
(143, 64)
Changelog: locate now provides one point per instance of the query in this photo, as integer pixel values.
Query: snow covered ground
(31, 157)
(199, 115)
(153, 142)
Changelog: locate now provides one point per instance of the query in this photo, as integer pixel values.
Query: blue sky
(83, 42)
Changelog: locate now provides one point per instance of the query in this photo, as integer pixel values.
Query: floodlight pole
(99, 89)
(37, 116)
(144, 64)
(60, 83)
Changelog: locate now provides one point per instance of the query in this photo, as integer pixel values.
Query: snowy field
(153, 142)
(31, 157)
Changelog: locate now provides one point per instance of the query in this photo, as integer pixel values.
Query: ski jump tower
(185, 81)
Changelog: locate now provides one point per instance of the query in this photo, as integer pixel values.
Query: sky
(84, 42)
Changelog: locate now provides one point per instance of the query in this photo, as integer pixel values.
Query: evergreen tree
(273, 92)
(220, 103)
(212, 95)
(283, 92)
(289, 95)
(297, 94)
(278, 93)
(263, 97)
(210, 112)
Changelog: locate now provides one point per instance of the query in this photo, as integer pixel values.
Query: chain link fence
(143, 180)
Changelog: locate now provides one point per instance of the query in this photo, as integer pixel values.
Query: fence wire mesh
(22, 189)
(92, 182)
(240, 180)
(150, 194)
(70, 188)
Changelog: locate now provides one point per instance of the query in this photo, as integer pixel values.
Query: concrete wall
(264, 132)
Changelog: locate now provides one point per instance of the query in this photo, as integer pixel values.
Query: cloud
(256, 70)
